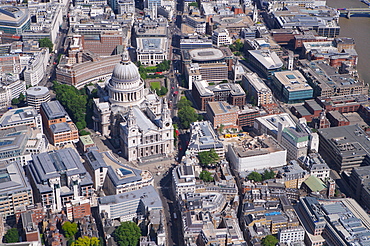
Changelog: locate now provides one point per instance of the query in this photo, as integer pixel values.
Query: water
(359, 29)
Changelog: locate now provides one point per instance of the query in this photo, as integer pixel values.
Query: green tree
(255, 176)
(127, 234)
(15, 101)
(237, 46)
(195, 4)
(269, 240)
(206, 176)
(21, 97)
(268, 174)
(208, 158)
(187, 115)
(11, 236)
(183, 102)
(45, 42)
(74, 101)
(86, 241)
(163, 91)
(69, 229)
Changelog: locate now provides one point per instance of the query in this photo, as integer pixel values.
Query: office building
(91, 71)
(112, 176)
(229, 92)
(293, 175)
(184, 179)
(333, 221)
(327, 82)
(296, 138)
(20, 143)
(221, 37)
(316, 165)
(247, 115)
(222, 114)
(211, 72)
(14, 20)
(257, 154)
(257, 89)
(36, 68)
(203, 138)
(36, 95)
(292, 86)
(58, 126)
(26, 116)
(15, 190)
(265, 61)
(130, 205)
(192, 43)
(151, 41)
(291, 235)
(58, 177)
(344, 147)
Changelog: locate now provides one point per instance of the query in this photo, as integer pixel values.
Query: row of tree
(258, 177)
(74, 101)
(187, 113)
(163, 66)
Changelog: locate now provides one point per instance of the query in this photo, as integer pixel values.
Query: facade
(291, 235)
(58, 126)
(80, 74)
(221, 37)
(359, 183)
(37, 95)
(211, 72)
(130, 205)
(112, 176)
(58, 177)
(257, 154)
(36, 67)
(26, 116)
(222, 114)
(204, 93)
(14, 20)
(257, 89)
(151, 42)
(344, 147)
(316, 165)
(15, 190)
(292, 86)
(10, 87)
(265, 61)
(204, 138)
(326, 81)
(20, 143)
(184, 179)
(247, 115)
(190, 44)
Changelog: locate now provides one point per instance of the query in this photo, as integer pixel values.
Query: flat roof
(208, 54)
(268, 59)
(257, 146)
(292, 80)
(86, 140)
(53, 109)
(222, 108)
(37, 91)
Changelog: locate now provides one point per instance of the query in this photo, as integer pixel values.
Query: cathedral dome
(126, 71)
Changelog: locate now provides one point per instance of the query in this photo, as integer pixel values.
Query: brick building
(231, 93)
(103, 44)
(58, 126)
(222, 114)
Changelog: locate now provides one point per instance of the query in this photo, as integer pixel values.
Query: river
(359, 29)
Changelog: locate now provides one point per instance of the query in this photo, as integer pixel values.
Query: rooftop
(209, 54)
(292, 80)
(222, 108)
(12, 178)
(53, 110)
(268, 59)
(257, 146)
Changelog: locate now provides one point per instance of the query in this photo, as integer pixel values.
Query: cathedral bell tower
(166, 121)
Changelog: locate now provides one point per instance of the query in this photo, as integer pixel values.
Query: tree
(15, 101)
(268, 174)
(187, 115)
(255, 176)
(69, 229)
(45, 42)
(21, 97)
(163, 91)
(269, 240)
(127, 234)
(74, 101)
(11, 236)
(208, 158)
(86, 241)
(183, 102)
(194, 4)
(206, 176)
